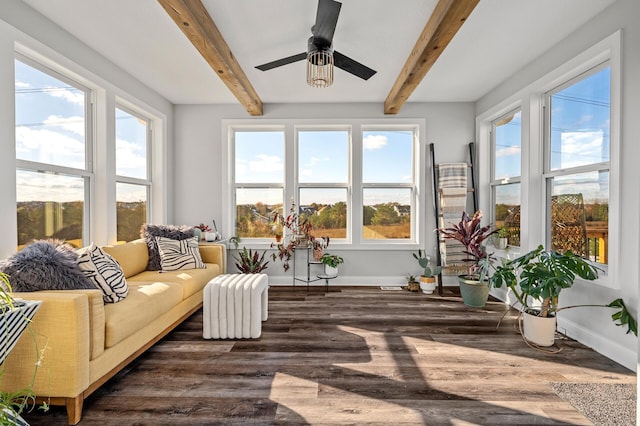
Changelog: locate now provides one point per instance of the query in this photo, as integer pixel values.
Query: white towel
(452, 175)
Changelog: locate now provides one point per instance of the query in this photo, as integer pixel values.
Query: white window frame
(494, 181)
(533, 188)
(87, 174)
(147, 181)
(354, 239)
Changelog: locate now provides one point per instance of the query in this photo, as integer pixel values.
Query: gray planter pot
(13, 323)
(474, 293)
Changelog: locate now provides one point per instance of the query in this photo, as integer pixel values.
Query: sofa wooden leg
(74, 409)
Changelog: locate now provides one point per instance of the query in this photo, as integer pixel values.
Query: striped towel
(453, 201)
(452, 175)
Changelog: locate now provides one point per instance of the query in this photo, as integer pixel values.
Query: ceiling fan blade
(326, 21)
(283, 61)
(352, 66)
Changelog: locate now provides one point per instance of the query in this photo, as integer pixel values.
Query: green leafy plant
(251, 262)
(425, 263)
(538, 277)
(503, 232)
(411, 279)
(331, 260)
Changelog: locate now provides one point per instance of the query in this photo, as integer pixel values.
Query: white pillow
(179, 254)
(104, 272)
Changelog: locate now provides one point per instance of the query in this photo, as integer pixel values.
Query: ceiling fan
(320, 55)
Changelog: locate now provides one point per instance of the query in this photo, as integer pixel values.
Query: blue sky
(50, 129)
(324, 157)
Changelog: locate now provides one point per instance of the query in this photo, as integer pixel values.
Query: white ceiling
(499, 38)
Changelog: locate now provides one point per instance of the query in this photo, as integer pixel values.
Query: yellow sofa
(86, 342)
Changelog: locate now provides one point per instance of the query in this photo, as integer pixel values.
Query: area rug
(605, 404)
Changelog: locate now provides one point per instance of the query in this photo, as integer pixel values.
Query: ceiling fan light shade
(320, 68)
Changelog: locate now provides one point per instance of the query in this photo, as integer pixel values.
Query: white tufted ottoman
(234, 306)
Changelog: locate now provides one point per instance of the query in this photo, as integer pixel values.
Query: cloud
(266, 164)
(22, 85)
(71, 124)
(49, 146)
(130, 158)
(73, 96)
(48, 187)
(374, 141)
(510, 150)
(582, 147)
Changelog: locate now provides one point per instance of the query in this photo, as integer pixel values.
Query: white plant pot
(539, 330)
(211, 236)
(427, 284)
(330, 271)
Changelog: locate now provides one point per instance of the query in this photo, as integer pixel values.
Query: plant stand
(309, 261)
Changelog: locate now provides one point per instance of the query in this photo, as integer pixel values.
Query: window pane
(254, 211)
(580, 116)
(580, 214)
(326, 210)
(131, 145)
(50, 119)
(323, 156)
(387, 156)
(49, 206)
(259, 157)
(507, 212)
(507, 149)
(386, 213)
(131, 210)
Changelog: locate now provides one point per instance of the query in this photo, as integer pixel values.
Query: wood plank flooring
(350, 356)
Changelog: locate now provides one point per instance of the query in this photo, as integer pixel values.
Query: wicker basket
(413, 286)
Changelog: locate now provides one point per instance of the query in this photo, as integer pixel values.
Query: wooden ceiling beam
(445, 21)
(193, 19)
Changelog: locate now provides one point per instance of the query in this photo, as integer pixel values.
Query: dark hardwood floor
(351, 356)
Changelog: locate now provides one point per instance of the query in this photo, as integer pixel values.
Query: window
(258, 180)
(577, 154)
(388, 184)
(355, 182)
(323, 175)
(133, 185)
(506, 167)
(53, 154)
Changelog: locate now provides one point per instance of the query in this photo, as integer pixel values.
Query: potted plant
(501, 239)
(15, 317)
(297, 233)
(412, 283)
(250, 262)
(537, 279)
(474, 286)
(428, 277)
(331, 262)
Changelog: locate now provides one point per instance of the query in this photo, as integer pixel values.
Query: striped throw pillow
(179, 254)
(105, 272)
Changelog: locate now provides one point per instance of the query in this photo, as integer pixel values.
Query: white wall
(198, 180)
(593, 326)
(21, 25)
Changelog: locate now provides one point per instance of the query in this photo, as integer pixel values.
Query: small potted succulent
(428, 277)
(474, 286)
(412, 283)
(501, 239)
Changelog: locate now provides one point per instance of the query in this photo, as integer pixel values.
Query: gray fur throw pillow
(150, 232)
(45, 265)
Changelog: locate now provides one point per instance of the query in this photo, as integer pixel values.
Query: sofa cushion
(132, 256)
(145, 303)
(104, 272)
(179, 254)
(191, 280)
(45, 265)
(149, 233)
